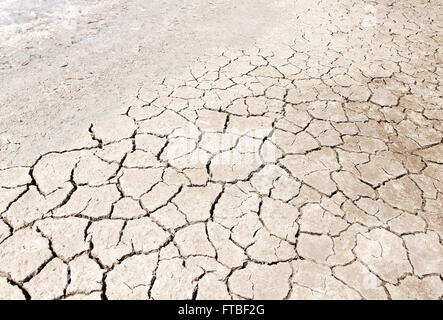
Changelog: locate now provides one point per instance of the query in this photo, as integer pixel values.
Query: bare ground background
(64, 63)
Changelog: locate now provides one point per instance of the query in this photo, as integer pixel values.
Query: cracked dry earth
(309, 170)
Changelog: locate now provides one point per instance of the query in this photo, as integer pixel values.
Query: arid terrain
(221, 149)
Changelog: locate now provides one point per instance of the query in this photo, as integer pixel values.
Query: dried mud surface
(309, 169)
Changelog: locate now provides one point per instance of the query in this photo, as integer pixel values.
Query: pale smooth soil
(221, 150)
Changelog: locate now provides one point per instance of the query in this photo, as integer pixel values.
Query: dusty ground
(244, 150)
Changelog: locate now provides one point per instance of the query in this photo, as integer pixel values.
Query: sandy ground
(221, 149)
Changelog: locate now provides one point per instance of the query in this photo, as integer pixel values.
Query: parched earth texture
(310, 167)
